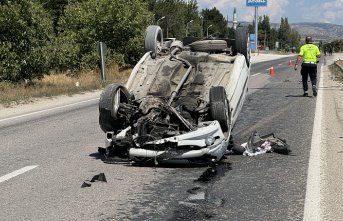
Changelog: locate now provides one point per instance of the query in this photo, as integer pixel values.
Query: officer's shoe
(314, 89)
(305, 94)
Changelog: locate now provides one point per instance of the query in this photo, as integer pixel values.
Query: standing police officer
(309, 54)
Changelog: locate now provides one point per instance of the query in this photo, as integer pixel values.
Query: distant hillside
(323, 31)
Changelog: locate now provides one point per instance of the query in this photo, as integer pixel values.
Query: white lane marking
(280, 64)
(255, 74)
(16, 173)
(312, 210)
(46, 110)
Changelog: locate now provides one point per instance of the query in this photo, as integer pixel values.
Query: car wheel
(208, 46)
(219, 107)
(153, 40)
(110, 100)
(242, 43)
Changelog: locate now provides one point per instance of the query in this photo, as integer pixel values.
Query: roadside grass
(337, 70)
(58, 84)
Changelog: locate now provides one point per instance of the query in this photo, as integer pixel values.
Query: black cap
(308, 39)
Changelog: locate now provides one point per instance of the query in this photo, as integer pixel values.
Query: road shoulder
(47, 103)
(332, 146)
(261, 57)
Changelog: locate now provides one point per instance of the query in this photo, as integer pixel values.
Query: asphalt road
(47, 156)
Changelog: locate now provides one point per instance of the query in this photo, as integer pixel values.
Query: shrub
(118, 23)
(26, 30)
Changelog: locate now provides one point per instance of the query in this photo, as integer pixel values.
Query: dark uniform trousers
(308, 69)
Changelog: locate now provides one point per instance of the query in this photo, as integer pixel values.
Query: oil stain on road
(200, 204)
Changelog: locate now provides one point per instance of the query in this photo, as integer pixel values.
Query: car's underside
(179, 103)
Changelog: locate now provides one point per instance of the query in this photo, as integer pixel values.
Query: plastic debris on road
(100, 177)
(257, 145)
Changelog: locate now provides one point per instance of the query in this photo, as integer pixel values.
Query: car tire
(208, 46)
(219, 107)
(153, 40)
(109, 119)
(242, 43)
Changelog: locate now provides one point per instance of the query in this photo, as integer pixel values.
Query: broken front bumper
(207, 141)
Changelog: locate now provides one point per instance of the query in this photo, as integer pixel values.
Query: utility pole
(256, 26)
(234, 19)
(202, 26)
(207, 30)
(187, 27)
(160, 19)
(168, 21)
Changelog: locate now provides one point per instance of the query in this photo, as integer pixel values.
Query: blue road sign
(256, 3)
(253, 45)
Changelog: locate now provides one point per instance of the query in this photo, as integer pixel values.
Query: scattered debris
(264, 144)
(100, 177)
(86, 184)
(208, 175)
(215, 171)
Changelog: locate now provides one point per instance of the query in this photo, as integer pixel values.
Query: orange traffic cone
(271, 71)
(290, 63)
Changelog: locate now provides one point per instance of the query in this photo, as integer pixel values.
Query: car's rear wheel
(153, 40)
(110, 100)
(219, 107)
(242, 43)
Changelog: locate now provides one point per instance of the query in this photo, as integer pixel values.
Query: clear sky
(327, 11)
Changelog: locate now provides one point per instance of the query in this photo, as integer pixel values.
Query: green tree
(251, 28)
(56, 9)
(177, 14)
(294, 39)
(273, 38)
(118, 23)
(151, 4)
(336, 45)
(26, 31)
(174, 13)
(191, 13)
(264, 31)
(284, 32)
(217, 20)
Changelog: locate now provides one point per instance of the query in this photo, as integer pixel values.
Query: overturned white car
(180, 102)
